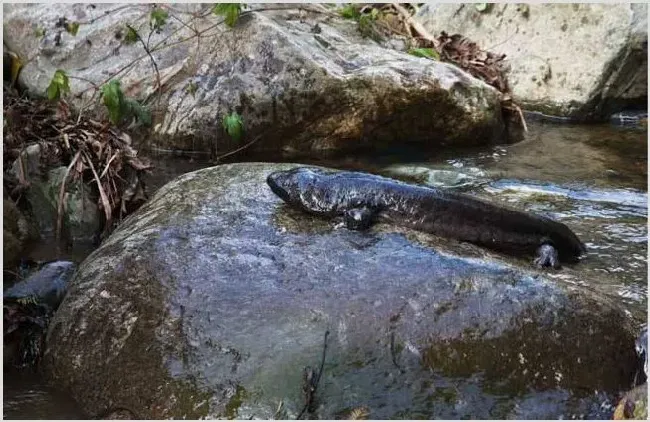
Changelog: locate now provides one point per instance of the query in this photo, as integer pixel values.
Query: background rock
(306, 82)
(48, 285)
(211, 299)
(81, 220)
(438, 176)
(17, 232)
(584, 61)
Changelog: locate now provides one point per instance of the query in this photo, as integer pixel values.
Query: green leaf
(350, 12)
(39, 32)
(191, 88)
(131, 36)
(141, 113)
(113, 100)
(72, 28)
(230, 12)
(120, 107)
(234, 125)
(365, 25)
(428, 53)
(59, 85)
(158, 18)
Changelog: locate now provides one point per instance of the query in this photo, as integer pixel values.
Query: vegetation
(234, 125)
(59, 85)
(121, 107)
(428, 53)
(230, 12)
(376, 21)
(94, 148)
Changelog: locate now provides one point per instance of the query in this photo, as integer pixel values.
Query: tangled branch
(95, 152)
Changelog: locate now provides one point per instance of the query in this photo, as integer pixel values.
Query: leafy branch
(132, 33)
(119, 106)
(230, 12)
(233, 125)
(428, 53)
(59, 85)
(204, 33)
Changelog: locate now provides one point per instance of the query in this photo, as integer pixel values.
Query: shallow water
(592, 178)
(26, 396)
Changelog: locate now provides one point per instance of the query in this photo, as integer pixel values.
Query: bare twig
(521, 116)
(239, 149)
(311, 380)
(153, 61)
(91, 83)
(59, 219)
(182, 22)
(19, 277)
(417, 26)
(108, 12)
(108, 164)
(21, 169)
(277, 412)
(106, 204)
(162, 44)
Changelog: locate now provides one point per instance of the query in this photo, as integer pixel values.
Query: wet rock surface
(28, 307)
(438, 176)
(48, 285)
(213, 297)
(584, 61)
(303, 89)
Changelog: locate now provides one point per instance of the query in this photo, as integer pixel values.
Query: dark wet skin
(363, 199)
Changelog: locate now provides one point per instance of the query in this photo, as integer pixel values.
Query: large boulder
(584, 61)
(212, 298)
(305, 81)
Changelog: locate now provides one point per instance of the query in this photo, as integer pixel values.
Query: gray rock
(439, 177)
(584, 61)
(81, 214)
(303, 90)
(48, 285)
(211, 299)
(18, 231)
(31, 163)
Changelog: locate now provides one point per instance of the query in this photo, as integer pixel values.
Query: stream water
(593, 178)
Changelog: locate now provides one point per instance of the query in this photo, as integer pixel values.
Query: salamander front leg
(358, 218)
(547, 256)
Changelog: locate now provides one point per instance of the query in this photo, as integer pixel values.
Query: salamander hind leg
(359, 218)
(547, 256)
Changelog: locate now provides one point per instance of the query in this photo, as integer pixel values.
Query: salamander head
(298, 187)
